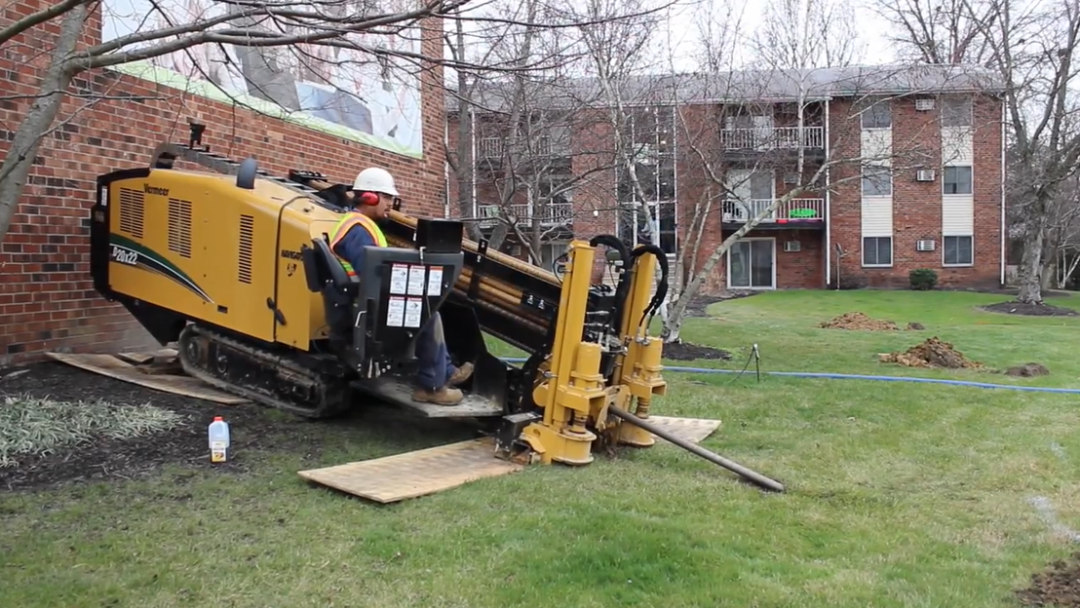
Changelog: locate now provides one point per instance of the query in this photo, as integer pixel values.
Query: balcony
(552, 214)
(796, 213)
(772, 138)
(493, 148)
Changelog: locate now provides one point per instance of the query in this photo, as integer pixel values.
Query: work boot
(442, 396)
(461, 374)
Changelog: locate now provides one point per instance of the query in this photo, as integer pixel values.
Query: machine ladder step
(400, 393)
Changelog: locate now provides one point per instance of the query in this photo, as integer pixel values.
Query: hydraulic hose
(832, 376)
(661, 289)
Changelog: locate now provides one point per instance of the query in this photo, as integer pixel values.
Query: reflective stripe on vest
(342, 228)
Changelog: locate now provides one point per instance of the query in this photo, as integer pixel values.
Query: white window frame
(971, 180)
(944, 248)
(863, 180)
(862, 251)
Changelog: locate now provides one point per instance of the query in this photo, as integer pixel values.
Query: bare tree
(946, 32)
(269, 48)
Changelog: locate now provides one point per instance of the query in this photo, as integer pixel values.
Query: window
(877, 251)
(958, 251)
(877, 115)
(956, 112)
(876, 180)
(956, 180)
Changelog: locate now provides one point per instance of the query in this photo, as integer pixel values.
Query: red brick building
(47, 301)
(907, 161)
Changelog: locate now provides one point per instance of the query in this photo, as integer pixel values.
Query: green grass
(899, 494)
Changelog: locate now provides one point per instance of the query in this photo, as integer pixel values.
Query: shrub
(922, 279)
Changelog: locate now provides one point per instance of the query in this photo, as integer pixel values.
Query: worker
(373, 192)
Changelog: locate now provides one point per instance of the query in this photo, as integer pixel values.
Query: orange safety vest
(348, 222)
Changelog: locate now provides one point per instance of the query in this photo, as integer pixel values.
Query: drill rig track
(306, 385)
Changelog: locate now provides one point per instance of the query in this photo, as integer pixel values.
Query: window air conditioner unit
(924, 175)
(924, 104)
(791, 178)
(792, 246)
(925, 245)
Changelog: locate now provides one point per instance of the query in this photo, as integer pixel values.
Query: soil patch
(103, 459)
(859, 321)
(1030, 310)
(932, 353)
(1058, 585)
(1028, 370)
(685, 351)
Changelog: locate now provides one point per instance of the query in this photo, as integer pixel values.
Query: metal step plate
(400, 392)
(413, 474)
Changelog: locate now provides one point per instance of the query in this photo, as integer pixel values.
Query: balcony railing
(797, 210)
(492, 148)
(551, 214)
(774, 138)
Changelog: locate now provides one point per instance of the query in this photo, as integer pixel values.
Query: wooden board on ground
(114, 367)
(413, 474)
(694, 430)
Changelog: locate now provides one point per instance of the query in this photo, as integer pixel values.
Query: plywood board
(412, 474)
(694, 430)
(112, 367)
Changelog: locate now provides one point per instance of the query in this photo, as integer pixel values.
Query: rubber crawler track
(265, 373)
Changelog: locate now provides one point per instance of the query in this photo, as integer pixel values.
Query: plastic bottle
(219, 440)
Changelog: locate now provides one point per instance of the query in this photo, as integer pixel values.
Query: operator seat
(326, 275)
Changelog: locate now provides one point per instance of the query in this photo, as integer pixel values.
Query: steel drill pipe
(734, 467)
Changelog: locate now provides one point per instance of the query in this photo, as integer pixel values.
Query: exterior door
(754, 192)
(752, 264)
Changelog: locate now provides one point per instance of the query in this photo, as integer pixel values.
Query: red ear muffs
(369, 198)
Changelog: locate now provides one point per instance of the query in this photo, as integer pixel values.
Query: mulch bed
(698, 304)
(1030, 309)
(1058, 586)
(685, 351)
(185, 444)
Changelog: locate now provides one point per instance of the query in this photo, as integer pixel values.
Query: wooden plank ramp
(114, 367)
(413, 474)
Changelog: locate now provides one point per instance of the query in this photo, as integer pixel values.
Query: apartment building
(895, 168)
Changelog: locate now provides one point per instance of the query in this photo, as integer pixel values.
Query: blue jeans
(433, 356)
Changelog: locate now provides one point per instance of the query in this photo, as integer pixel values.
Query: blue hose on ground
(709, 370)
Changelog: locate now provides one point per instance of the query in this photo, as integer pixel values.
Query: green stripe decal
(129, 253)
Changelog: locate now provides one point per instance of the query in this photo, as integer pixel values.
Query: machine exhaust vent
(247, 238)
(131, 212)
(180, 227)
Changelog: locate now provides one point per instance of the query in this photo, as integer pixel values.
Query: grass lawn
(899, 494)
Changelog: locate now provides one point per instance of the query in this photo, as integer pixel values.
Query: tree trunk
(39, 120)
(1030, 271)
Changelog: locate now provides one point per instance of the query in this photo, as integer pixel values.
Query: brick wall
(47, 300)
(917, 205)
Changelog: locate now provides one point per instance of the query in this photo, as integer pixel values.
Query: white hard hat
(375, 179)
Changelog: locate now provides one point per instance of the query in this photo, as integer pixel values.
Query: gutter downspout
(472, 160)
(828, 214)
(1004, 238)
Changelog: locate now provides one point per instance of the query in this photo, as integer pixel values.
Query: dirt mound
(859, 321)
(931, 353)
(1028, 370)
(1030, 310)
(1057, 586)
(685, 351)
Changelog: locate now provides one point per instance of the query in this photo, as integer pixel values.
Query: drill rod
(757, 478)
